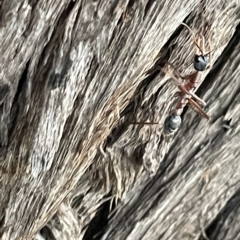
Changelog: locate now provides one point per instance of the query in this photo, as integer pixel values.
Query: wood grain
(75, 76)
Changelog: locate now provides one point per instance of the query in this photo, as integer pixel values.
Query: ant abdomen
(171, 124)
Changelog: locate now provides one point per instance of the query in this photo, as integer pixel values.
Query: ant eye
(197, 58)
(206, 58)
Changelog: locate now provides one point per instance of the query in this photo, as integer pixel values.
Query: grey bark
(76, 78)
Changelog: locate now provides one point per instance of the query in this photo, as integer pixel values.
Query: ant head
(171, 124)
(201, 62)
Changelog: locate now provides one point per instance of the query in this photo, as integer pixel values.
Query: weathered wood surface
(74, 75)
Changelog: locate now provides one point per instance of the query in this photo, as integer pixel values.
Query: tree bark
(79, 80)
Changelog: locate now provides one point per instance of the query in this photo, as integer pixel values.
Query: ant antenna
(193, 37)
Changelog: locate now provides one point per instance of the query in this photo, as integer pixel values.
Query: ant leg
(210, 55)
(143, 123)
(198, 108)
(198, 99)
(186, 77)
(171, 76)
(175, 69)
(183, 89)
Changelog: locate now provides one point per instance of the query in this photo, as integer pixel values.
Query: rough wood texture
(75, 75)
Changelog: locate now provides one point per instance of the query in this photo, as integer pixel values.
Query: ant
(186, 95)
